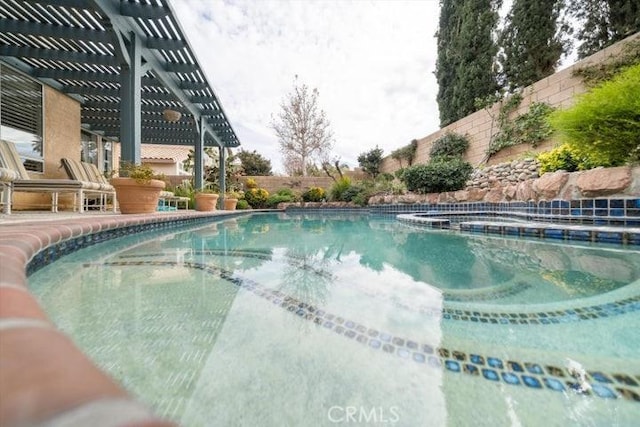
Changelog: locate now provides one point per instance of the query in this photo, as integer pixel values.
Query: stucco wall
(61, 139)
(557, 90)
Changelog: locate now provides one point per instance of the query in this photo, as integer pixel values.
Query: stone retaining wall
(504, 173)
(619, 182)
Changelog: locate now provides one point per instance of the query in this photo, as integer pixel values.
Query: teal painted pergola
(126, 61)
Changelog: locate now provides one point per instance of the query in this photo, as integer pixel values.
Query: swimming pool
(299, 319)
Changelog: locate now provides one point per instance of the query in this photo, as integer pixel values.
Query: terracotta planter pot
(134, 197)
(230, 204)
(206, 201)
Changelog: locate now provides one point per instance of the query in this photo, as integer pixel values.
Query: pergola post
(130, 95)
(223, 174)
(198, 153)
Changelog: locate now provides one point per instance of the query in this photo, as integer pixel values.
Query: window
(96, 150)
(21, 116)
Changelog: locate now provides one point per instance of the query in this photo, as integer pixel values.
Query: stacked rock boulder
(618, 182)
(507, 173)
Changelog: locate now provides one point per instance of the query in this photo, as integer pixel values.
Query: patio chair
(97, 186)
(169, 200)
(10, 159)
(6, 177)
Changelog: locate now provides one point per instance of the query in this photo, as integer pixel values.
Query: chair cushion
(47, 184)
(10, 159)
(8, 175)
(75, 170)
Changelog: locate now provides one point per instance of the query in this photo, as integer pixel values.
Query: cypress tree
(531, 42)
(603, 22)
(466, 56)
(449, 27)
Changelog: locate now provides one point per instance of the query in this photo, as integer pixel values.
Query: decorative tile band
(578, 314)
(616, 211)
(56, 251)
(509, 227)
(516, 373)
(628, 236)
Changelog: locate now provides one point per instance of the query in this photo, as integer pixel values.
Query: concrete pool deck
(44, 378)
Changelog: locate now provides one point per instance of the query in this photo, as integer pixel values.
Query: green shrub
(560, 158)
(361, 199)
(449, 145)
(438, 176)
(604, 124)
(242, 204)
(283, 195)
(339, 187)
(314, 194)
(256, 197)
(251, 183)
(351, 193)
(385, 177)
(275, 199)
(286, 192)
(185, 189)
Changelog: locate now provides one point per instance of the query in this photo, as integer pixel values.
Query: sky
(371, 61)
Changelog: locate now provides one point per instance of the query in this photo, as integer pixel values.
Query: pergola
(127, 62)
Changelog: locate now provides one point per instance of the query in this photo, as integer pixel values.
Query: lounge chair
(95, 183)
(10, 159)
(169, 200)
(7, 176)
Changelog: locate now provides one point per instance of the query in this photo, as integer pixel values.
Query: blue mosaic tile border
(60, 249)
(619, 212)
(576, 314)
(514, 373)
(628, 236)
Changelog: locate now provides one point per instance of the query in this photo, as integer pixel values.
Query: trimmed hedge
(449, 145)
(438, 176)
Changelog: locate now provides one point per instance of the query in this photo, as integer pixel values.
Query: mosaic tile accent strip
(515, 373)
(628, 236)
(55, 252)
(266, 255)
(509, 227)
(616, 212)
(570, 315)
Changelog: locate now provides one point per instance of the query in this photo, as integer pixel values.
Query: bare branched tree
(302, 129)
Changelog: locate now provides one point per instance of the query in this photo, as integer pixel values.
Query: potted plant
(137, 189)
(231, 199)
(206, 198)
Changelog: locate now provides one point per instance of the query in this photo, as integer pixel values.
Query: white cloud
(372, 62)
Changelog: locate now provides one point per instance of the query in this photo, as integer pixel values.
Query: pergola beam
(57, 31)
(141, 10)
(113, 92)
(84, 48)
(57, 55)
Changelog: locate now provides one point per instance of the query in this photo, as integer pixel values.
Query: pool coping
(45, 378)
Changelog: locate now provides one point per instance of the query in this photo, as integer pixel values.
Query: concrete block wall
(558, 90)
(298, 184)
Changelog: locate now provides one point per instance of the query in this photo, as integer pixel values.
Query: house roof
(80, 47)
(157, 152)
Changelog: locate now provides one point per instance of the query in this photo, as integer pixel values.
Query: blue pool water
(276, 319)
